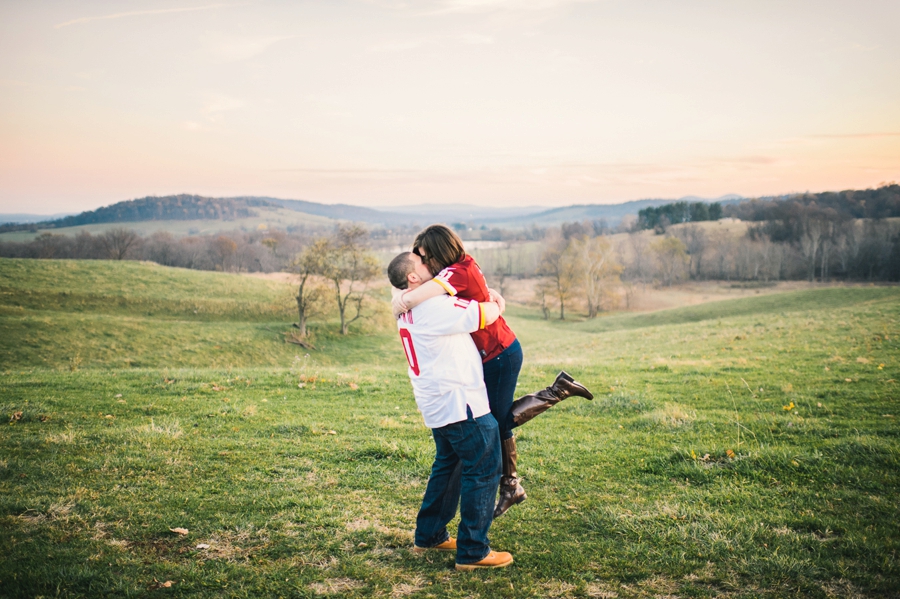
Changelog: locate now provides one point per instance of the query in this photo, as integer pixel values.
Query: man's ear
(412, 278)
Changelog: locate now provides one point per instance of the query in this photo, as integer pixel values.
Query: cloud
(139, 13)
(475, 38)
(855, 135)
(348, 171)
(457, 6)
(218, 104)
(396, 46)
(751, 160)
(412, 44)
(232, 49)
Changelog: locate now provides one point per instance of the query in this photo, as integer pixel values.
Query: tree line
(879, 203)
(571, 270)
(178, 207)
(236, 251)
(579, 270)
(660, 217)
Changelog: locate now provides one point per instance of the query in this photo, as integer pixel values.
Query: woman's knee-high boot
(528, 406)
(511, 491)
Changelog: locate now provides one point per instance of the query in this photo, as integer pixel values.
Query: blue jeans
(466, 472)
(500, 377)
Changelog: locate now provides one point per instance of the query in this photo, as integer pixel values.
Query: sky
(491, 102)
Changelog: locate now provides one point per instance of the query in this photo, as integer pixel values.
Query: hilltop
(255, 210)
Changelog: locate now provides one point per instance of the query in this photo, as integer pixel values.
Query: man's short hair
(399, 269)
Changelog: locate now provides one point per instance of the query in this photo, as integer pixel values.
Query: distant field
(743, 448)
(279, 218)
(93, 313)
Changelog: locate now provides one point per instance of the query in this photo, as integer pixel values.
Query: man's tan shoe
(448, 545)
(494, 559)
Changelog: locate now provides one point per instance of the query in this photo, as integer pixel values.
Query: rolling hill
(613, 213)
(187, 214)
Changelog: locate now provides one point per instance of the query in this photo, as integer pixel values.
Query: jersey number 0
(410, 351)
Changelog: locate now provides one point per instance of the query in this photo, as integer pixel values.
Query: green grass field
(746, 448)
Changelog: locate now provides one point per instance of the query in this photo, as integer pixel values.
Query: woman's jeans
(500, 377)
(466, 472)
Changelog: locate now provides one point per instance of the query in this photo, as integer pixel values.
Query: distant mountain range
(461, 212)
(21, 217)
(193, 207)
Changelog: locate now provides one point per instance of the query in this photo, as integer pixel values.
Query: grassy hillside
(765, 306)
(747, 450)
(98, 314)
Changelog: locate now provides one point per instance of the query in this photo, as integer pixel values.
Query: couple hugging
(464, 362)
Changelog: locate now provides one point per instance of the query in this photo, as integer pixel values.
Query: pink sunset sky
(389, 102)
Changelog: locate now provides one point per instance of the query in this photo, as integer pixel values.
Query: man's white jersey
(444, 365)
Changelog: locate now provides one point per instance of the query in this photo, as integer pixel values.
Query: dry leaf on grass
(181, 531)
(161, 585)
(203, 546)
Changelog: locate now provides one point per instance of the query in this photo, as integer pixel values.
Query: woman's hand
(397, 305)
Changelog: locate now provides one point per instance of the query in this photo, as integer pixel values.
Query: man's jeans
(466, 472)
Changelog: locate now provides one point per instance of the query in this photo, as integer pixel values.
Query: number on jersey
(410, 351)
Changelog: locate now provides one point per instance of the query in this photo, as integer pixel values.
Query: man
(447, 378)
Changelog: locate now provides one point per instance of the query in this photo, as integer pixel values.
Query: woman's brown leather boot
(511, 491)
(528, 406)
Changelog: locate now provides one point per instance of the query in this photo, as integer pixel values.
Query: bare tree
(596, 259)
(161, 248)
(559, 265)
(222, 251)
(847, 246)
(116, 242)
(814, 231)
(639, 245)
(543, 294)
(672, 258)
(695, 241)
(630, 290)
(350, 266)
(503, 269)
(306, 265)
(827, 246)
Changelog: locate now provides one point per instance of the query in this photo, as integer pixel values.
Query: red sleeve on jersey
(454, 279)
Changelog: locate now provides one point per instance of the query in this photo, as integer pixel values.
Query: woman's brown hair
(439, 247)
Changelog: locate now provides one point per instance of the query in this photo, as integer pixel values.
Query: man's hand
(397, 305)
(496, 297)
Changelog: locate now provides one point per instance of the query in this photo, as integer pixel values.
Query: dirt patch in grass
(405, 589)
(334, 586)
